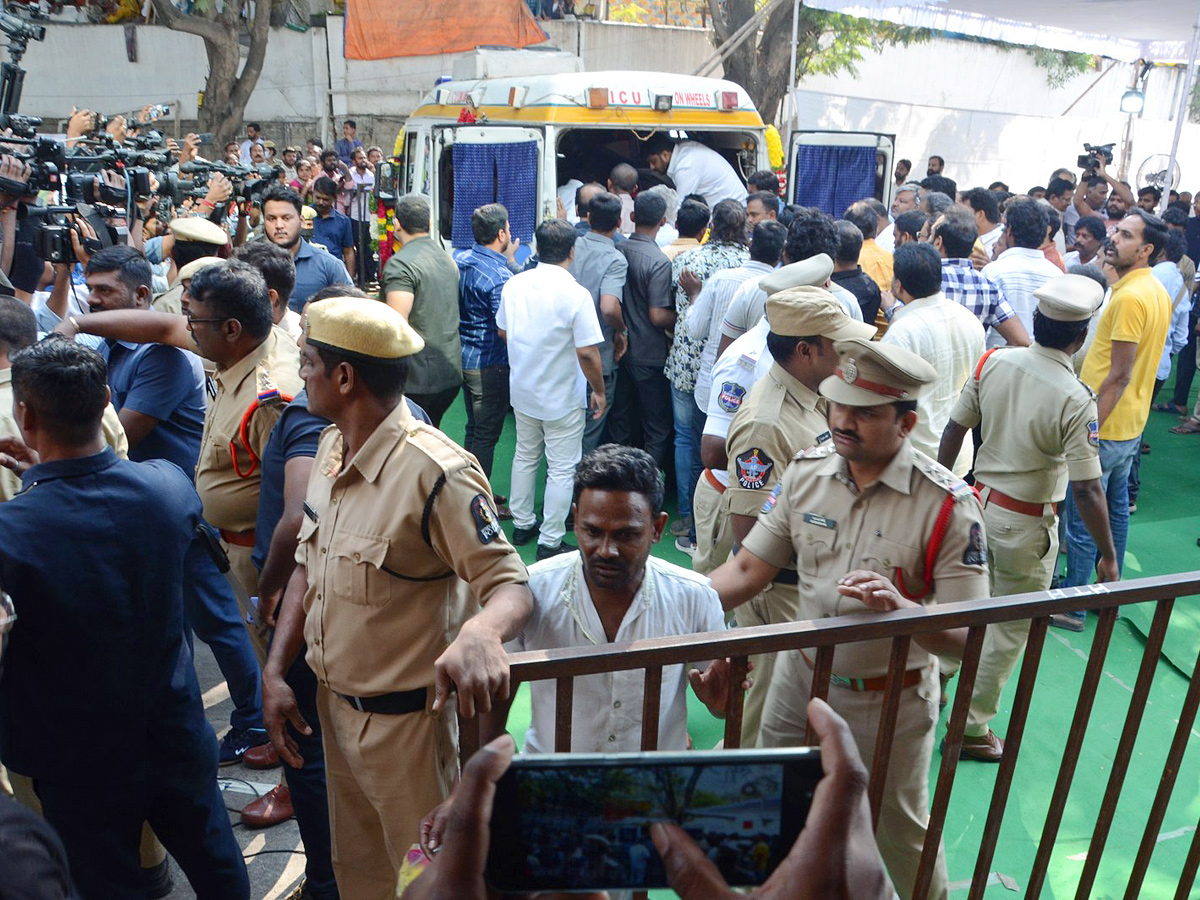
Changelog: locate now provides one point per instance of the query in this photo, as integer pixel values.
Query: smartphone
(204, 138)
(581, 822)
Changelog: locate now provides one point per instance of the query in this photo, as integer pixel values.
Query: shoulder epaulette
(944, 478)
(820, 451)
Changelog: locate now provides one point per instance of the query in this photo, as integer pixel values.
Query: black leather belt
(397, 704)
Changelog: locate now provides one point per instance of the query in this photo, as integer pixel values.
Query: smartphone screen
(573, 822)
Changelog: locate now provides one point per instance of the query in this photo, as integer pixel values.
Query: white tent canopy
(1157, 30)
(1161, 31)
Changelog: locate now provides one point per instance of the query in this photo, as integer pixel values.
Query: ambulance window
(408, 168)
(446, 193)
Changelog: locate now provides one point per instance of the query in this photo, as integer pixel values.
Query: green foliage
(1061, 66)
(831, 43)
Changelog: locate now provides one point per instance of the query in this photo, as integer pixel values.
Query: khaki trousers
(904, 814)
(242, 568)
(714, 533)
(774, 605)
(1022, 551)
(383, 773)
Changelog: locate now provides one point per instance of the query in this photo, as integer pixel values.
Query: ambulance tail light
(727, 101)
(597, 98)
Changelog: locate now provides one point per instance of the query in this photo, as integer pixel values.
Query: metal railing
(900, 627)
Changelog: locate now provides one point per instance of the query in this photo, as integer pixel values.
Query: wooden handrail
(823, 635)
(536, 665)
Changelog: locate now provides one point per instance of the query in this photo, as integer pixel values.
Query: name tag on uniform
(819, 521)
(823, 437)
(310, 512)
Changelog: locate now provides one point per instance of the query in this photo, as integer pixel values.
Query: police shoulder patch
(976, 552)
(753, 468)
(771, 500)
(487, 524)
(731, 396)
(1093, 428)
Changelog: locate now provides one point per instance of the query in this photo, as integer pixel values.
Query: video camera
(1090, 159)
(248, 181)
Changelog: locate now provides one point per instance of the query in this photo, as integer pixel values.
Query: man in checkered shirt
(953, 236)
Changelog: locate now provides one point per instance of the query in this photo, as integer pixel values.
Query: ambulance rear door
(832, 169)
(479, 164)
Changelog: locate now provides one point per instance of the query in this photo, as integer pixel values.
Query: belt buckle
(841, 681)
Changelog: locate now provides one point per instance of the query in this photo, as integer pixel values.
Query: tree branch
(260, 30)
(177, 21)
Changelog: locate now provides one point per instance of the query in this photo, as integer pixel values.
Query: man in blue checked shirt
(953, 236)
(483, 272)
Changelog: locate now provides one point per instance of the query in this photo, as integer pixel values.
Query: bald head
(623, 179)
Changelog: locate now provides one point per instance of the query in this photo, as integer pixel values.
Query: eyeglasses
(191, 320)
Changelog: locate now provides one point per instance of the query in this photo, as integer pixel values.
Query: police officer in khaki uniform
(859, 515)
(782, 415)
(1040, 428)
(743, 364)
(257, 365)
(398, 541)
(190, 238)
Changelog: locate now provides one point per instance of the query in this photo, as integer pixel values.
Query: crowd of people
(859, 415)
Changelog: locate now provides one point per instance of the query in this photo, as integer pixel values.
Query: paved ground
(274, 856)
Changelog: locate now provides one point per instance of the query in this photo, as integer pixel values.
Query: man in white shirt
(1021, 268)
(612, 590)
(549, 323)
(696, 169)
(986, 208)
(943, 333)
(253, 136)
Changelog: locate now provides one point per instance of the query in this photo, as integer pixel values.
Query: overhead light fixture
(663, 102)
(1133, 102)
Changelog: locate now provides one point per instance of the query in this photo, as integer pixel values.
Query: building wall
(989, 112)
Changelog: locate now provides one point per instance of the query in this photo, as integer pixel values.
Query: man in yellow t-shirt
(1120, 367)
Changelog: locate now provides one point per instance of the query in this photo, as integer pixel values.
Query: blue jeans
(1116, 459)
(211, 610)
(689, 424)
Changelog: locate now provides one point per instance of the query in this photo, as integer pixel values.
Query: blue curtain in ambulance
(832, 178)
(495, 173)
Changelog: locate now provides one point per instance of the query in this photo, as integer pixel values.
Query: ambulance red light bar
(727, 101)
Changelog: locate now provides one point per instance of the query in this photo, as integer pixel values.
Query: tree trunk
(225, 92)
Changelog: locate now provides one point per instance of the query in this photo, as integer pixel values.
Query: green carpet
(1162, 540)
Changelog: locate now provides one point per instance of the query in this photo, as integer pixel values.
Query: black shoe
(157, 881)
(522, 536)
(544, 552)
(237, 741)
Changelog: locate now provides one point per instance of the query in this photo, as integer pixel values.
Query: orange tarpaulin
(382, 29)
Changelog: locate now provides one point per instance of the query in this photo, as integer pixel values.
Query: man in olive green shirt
(421, 283)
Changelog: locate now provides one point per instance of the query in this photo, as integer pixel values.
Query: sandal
(1168, 408)
(1191, 426)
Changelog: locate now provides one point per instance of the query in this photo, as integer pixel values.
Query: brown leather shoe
(989, 748)
(264, 756)
(273, 807)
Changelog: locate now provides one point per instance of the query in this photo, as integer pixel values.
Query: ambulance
(525, 127)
